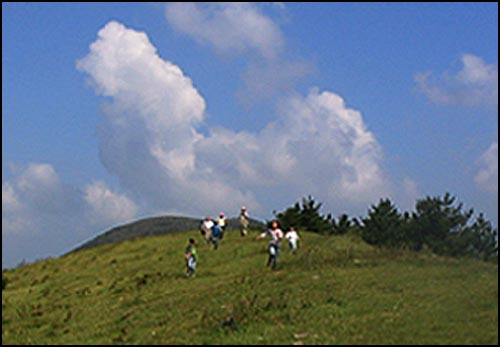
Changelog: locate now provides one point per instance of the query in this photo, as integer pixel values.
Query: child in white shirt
(206, 228)
(292, 238)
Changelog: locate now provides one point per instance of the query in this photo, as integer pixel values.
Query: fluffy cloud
(148, 135)
(317, 146)
(37, 206)
(327, 145)
(148, 138)
(475, 85)
(487, 177)
(227, 27)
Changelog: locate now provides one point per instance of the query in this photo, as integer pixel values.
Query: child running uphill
(191, 256)
(216, 235)
(292, 238)
(206, 228)
(222, 223)
(275, 235)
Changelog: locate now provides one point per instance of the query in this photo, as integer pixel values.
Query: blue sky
(116, 111)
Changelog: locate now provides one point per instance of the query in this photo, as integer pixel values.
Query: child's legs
(191, 264)
(273, 256)
(274, 262)
(208, 235)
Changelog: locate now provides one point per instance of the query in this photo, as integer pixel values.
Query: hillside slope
(335, 290)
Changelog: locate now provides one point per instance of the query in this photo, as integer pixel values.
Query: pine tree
(442, 224)
(342, 226)
(485, 245)
(383, 227)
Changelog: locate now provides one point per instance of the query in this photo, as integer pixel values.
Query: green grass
(335, 290)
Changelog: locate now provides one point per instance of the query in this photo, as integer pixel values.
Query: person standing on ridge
(244, 222)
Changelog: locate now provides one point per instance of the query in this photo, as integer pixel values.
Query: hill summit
(155, 226)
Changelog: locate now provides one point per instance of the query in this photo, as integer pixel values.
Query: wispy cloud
(243, 29)
(229, 28)
(263, 81)
(476, 84)
(487, 176)
(105, 207)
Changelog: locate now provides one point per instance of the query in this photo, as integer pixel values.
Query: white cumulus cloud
(332, 146)
(316, 145)
(148, 135)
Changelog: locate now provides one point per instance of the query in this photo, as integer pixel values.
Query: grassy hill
(335, 290)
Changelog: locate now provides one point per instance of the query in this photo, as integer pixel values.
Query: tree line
(440, 224)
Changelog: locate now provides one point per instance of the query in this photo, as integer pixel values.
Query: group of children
(275, 236)
(214, 232)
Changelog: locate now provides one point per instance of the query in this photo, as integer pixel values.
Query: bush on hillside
(438, 223)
